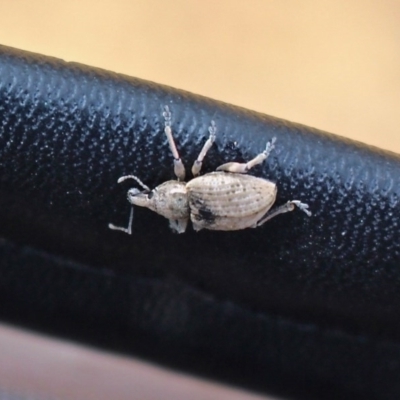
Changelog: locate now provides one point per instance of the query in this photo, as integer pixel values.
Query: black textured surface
(302, 306)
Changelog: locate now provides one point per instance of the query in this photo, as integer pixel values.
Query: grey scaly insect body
(225, 200)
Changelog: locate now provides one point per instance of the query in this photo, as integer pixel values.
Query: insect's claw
(270, 146)
(213, 130)
(167, 116)
(302, 206)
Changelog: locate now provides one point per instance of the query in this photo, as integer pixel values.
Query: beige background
(334, 65)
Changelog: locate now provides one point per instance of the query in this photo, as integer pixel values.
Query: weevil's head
(168, 199)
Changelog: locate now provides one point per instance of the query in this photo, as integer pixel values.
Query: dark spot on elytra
(205, 214)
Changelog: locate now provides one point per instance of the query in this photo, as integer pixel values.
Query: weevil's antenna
(124, 178)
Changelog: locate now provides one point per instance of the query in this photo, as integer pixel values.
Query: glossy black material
(302, 306)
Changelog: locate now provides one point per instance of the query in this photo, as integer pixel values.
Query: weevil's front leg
(289, 206)
(127, 230)
(178, 225)
(243, 168)
(207, 145)
(179, 168)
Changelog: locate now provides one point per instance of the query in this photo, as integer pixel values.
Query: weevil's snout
(138, 198)
(134, 192)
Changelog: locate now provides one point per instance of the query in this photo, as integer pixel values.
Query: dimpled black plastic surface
(302, 306)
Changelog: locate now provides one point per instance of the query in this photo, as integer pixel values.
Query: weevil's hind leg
(207, 145)
(179, 168)
(243, 168)
(178, 225)
(289, 206)
(127, 230)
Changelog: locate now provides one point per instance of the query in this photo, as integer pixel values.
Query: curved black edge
(302, 306)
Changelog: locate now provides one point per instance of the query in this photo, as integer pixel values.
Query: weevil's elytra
(225, 200)
(235, 201)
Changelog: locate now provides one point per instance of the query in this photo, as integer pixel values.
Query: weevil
(224, 200)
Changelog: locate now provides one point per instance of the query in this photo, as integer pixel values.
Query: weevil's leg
(243, 168)
(207, 145)
(178, 225)
(289, 206)
(179, 168)
(127, 230)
